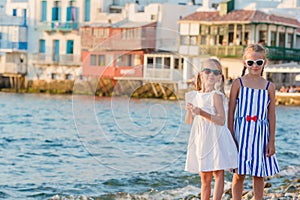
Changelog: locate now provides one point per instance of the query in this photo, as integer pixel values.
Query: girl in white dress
(211, 148)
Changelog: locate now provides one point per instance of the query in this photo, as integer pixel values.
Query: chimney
(226, 7)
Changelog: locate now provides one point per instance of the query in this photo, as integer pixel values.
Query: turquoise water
(109, 147)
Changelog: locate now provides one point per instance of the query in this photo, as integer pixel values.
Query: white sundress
(211, 146)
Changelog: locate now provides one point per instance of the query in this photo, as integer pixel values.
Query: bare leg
(219, 184)
(206, 178)
(258, 187)
(237, 186)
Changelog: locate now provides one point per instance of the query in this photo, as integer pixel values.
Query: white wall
(168, 31)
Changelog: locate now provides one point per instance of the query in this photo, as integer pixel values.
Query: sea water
(110, 148)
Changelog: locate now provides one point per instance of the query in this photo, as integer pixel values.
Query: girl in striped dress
(211, 148)
(251, 120)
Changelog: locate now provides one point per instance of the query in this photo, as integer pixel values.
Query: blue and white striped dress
(251, 129)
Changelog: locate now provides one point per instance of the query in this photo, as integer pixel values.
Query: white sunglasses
(259, 62)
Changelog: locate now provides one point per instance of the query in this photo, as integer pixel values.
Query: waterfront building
(118, 48)
(224, 34)
(54, 48)
(13, 44)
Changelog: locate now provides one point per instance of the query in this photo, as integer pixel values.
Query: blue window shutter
(42, 46)
(54, 14)
(59, 13)
(69, 14)
(87, 10)
(14, 12)
(56, 50)
(77, 15)
(70, 46)
(44, 11)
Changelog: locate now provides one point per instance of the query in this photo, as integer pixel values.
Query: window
(100, 32)
(193, 40)
(167, 62)
(87, 9)
(70, 46)
(221, 37)
(119, 60)
(109, 60)
(273, 38)
(101, 60)
(137, 60)
(53, 76)
(69, 77)
(176, 63)
(158, 63)
(93, 60)
(44, 11)
(184, 40)
(42, 46)
(56, 11)
(281, 39)
(127, 60)
(290, 41)
(14, 12)
(262, 35)
(72, 12)
(150, 62)
(203, 39)
(204, 30)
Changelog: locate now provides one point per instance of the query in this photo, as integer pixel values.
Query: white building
(13, 42)
(55, 44)
(54, 47)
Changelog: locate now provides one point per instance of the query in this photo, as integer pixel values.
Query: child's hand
(270, 150)
(196, 110)
(189, 107)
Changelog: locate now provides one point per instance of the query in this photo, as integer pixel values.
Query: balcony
(13, 68)
(223, 51)
(275, 53)
(281, 53)
(63, 59)
(9, 46)
(59, 26)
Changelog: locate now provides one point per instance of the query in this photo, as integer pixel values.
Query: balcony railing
(163, 74)
(8, 45)
(281, 53)
(13, 68)
(274, 53)
(223, 51)
(58, 26)
(65, 59)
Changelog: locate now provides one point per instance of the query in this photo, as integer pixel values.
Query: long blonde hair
(257, 48)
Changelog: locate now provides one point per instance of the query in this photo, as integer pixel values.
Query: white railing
(63, 59)
(13, 68)
(163, 74)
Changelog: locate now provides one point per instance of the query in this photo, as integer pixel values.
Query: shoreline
(285, 99)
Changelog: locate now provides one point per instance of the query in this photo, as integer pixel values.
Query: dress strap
(267, 87)
(241, 82)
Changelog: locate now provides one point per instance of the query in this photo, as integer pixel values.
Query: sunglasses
(216, 72)
(258, 62)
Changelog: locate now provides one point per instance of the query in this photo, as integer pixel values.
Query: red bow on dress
(254, 118)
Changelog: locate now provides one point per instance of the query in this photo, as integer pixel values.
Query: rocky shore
(289, 191)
